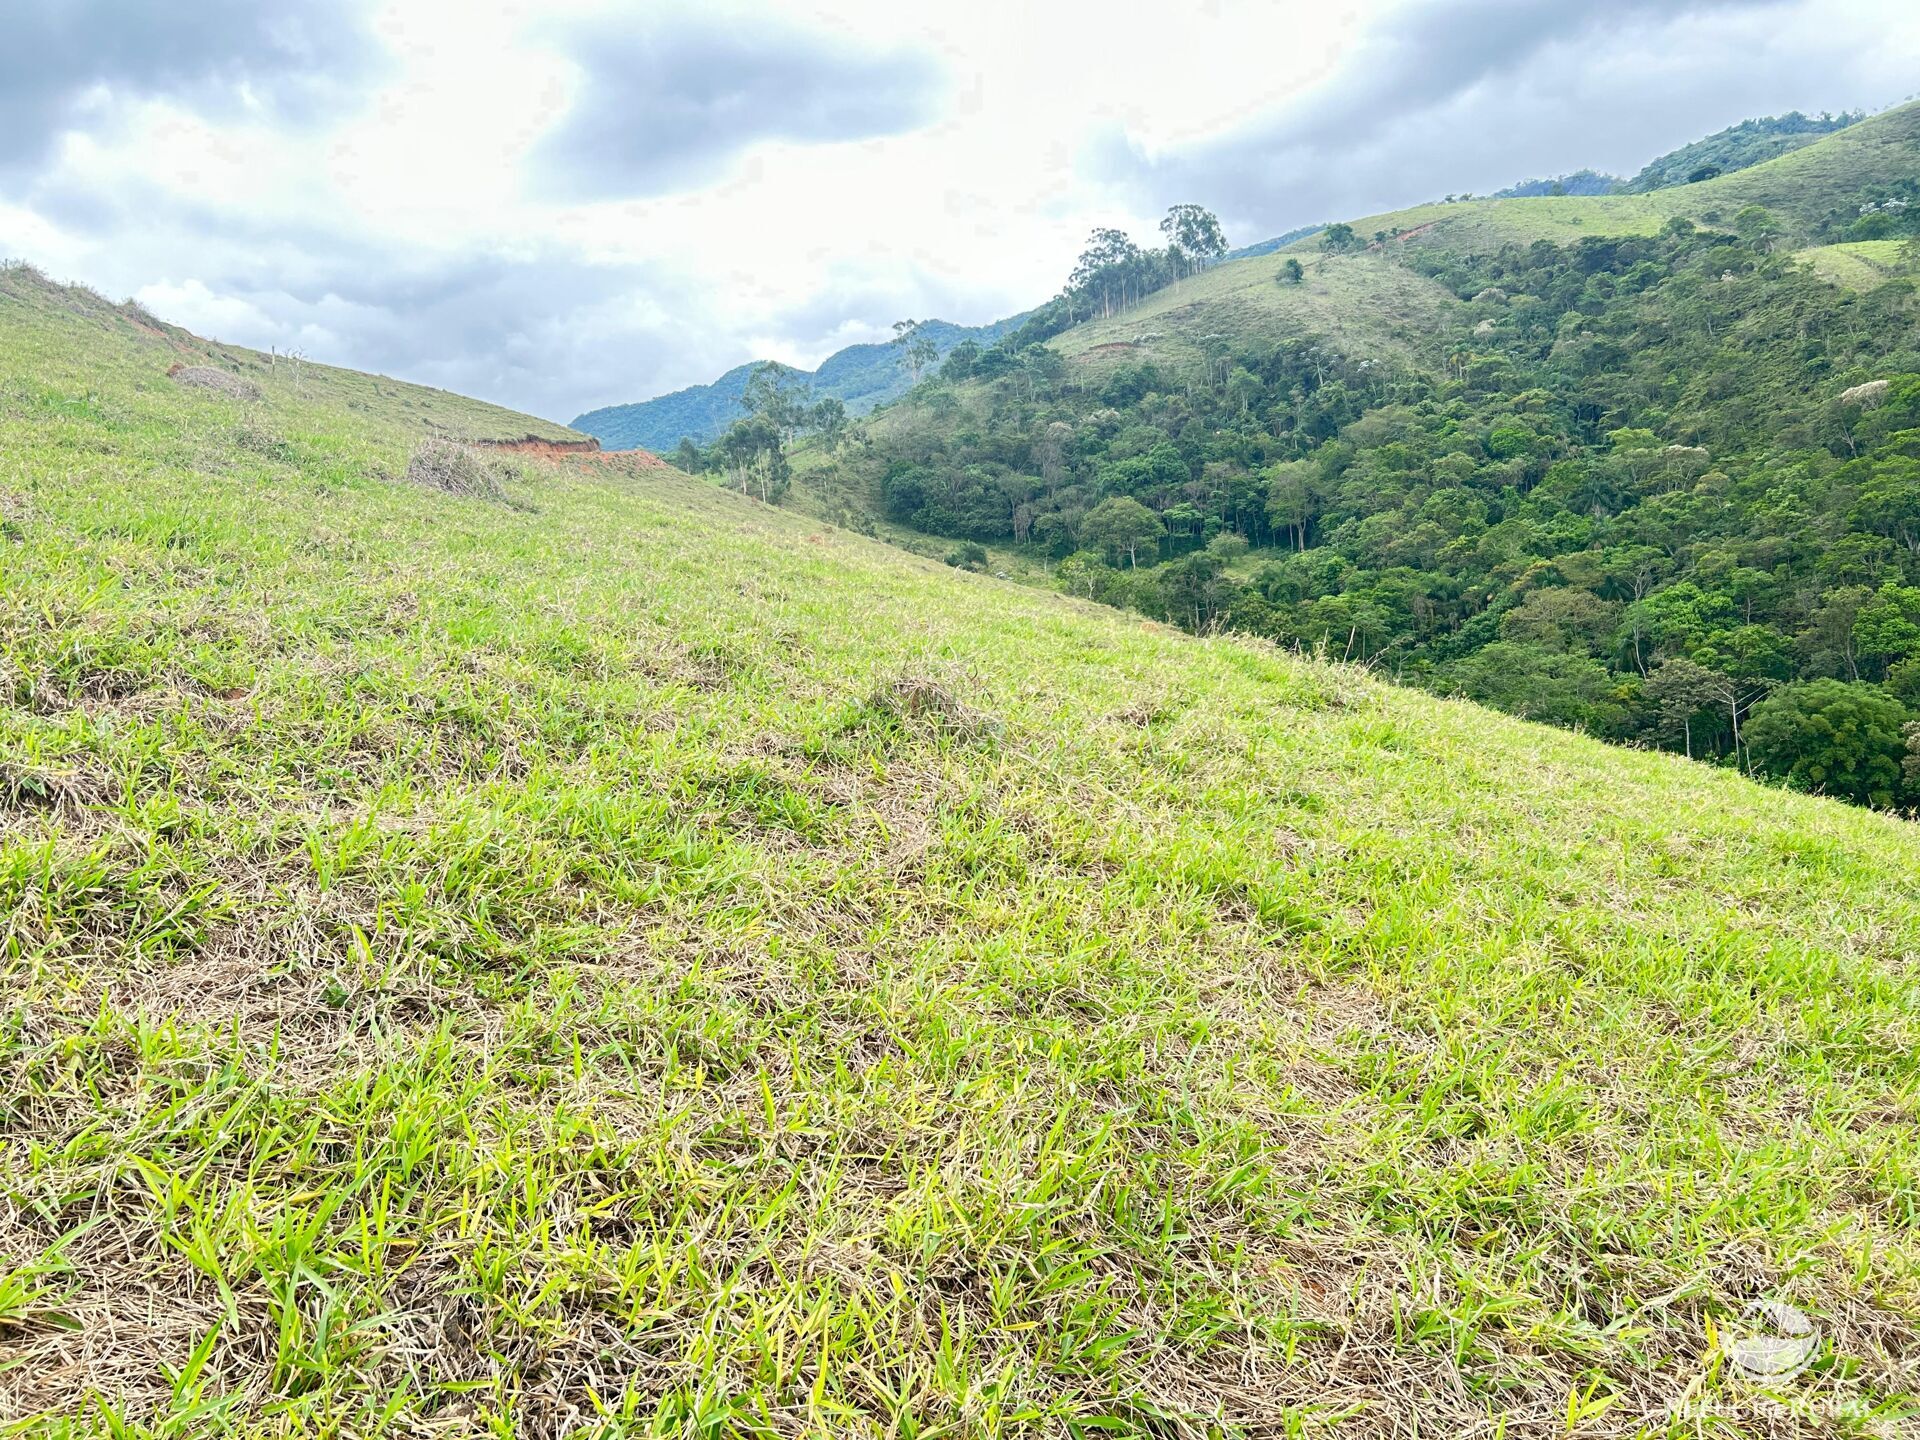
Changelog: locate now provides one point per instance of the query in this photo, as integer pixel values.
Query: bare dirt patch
(542, 449)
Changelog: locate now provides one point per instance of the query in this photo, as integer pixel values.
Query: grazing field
(600, 956)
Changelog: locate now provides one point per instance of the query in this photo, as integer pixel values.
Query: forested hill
(865, 376)
(1647, 465)
(860, 376)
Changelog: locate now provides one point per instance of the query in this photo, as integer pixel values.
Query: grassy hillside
(1361, 304)
(1369, 305)
(1751, 142)
(89, 321)
(630, 962)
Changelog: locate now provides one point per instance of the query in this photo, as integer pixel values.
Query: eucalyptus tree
(1194, 237)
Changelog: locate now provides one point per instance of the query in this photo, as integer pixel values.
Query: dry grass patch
(456, 469)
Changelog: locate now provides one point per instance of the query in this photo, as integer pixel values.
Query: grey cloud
(663, 106)
(1459, 95)
(292, 56)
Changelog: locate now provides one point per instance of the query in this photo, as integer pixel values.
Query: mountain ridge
(867, 375)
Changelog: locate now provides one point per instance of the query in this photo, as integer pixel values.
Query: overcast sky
(563, 205)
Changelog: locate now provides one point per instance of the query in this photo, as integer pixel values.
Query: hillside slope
(27, 297)
(1807, 189)
(1862, 265)
(1369, 305)
(1362, 305)
(627, 961)
(1751, 142)
(862, 376)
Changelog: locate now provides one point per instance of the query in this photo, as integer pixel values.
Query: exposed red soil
(551, 449)
(588, 449)
(639, 459)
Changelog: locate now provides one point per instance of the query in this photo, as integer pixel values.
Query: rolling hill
(1764, 165)
(1376, 305)
(862, 376)
(1807, 189)
(1363, 304)
(601, 956)
(1751, 142)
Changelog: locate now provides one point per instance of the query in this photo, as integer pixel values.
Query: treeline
(1666, 489)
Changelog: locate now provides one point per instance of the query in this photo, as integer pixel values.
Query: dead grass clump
(27, 788)
(913, 699)
(211, 377)
(457, 469)
(1144, 714)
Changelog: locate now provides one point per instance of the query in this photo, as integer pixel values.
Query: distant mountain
(861, 376)
(1580, 182)
(1737, 147)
